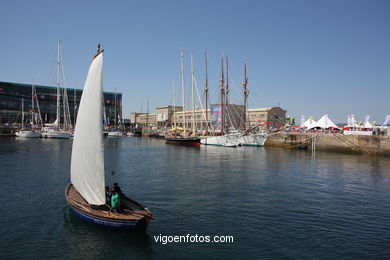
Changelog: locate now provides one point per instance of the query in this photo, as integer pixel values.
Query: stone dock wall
(332, 142)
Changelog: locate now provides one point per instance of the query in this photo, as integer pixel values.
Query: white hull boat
(28, 134)
(253, 139)
(115, 134)
(56, 134)
(228, 140)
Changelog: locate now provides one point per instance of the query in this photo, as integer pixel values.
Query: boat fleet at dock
(224, 133)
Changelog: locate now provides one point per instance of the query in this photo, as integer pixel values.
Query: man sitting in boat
(118, 190)
(115, 201)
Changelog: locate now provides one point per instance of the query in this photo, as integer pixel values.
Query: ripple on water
(275, 203)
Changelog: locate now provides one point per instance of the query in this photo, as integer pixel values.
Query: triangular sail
(87, 165)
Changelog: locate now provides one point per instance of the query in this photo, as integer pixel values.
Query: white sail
(87, 165)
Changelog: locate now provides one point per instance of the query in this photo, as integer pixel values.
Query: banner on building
(216, 116)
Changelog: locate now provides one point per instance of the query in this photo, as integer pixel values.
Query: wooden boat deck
(103, 211)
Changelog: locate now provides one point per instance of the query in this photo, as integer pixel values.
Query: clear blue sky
(312, 57)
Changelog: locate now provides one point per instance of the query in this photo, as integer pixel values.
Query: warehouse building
(271, 117)
(12, 94)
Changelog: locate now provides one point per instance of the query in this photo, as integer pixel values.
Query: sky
(311, 57)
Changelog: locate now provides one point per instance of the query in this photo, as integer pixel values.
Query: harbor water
(274, 202)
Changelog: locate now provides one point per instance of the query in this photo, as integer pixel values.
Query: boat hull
(137, 219)
(141, 224)
(56, 134)
(28, 134)
(229, 140)
(115, 134)
(253, 139)
(191, 141)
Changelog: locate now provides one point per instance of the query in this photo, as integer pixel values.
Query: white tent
(367, 123)
(387, 119)
(309, 123)
(324, 123)
(351, 121)
(302, 120)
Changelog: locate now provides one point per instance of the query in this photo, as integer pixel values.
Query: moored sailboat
(248, 138)
(184, 137)
(53, 130)
(223, 138)
(33, 132)
(86, 192)
(116, 131)
(27, 133)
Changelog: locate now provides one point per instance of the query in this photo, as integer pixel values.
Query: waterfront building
(164, 115)
(268, 117)
(234, 118)
(11, 95)
(145, 119)
(265, 117)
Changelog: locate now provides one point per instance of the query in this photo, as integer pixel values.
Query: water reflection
(271, 200)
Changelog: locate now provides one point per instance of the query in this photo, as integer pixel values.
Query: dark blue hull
(134, 225)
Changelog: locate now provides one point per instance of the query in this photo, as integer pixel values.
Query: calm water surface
(276, 203)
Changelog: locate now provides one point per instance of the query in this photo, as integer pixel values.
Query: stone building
(235, 117)
(164, 115)
(269, 117)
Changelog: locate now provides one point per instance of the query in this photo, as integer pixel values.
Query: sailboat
(184, 137)
(248, 138)
(116, 132)
(29, 133)
(53, 130)
(85, 193)
(224, 139)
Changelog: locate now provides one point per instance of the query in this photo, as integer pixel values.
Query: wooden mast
(115, 110)
(222, 100)
(193, 96)
(22, 113)
(174, 106)
(147, 117)
(227, 93)
(183, 92)
(246, 93)
(32, 106)
(206, 91)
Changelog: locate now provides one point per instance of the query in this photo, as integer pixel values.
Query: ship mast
(227, 92)
(22, 113)
(58, 85)
(222, 99)
(246, 93)
(32, 106)
(174, 106)
(183, 92)
(206, 91)
(115, 110)
(147, 117)
(193, 96)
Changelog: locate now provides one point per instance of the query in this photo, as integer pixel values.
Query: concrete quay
(375, 144)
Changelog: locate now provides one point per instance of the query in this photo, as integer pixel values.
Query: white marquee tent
(324, 123)
(367, 123)
(309, 123)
